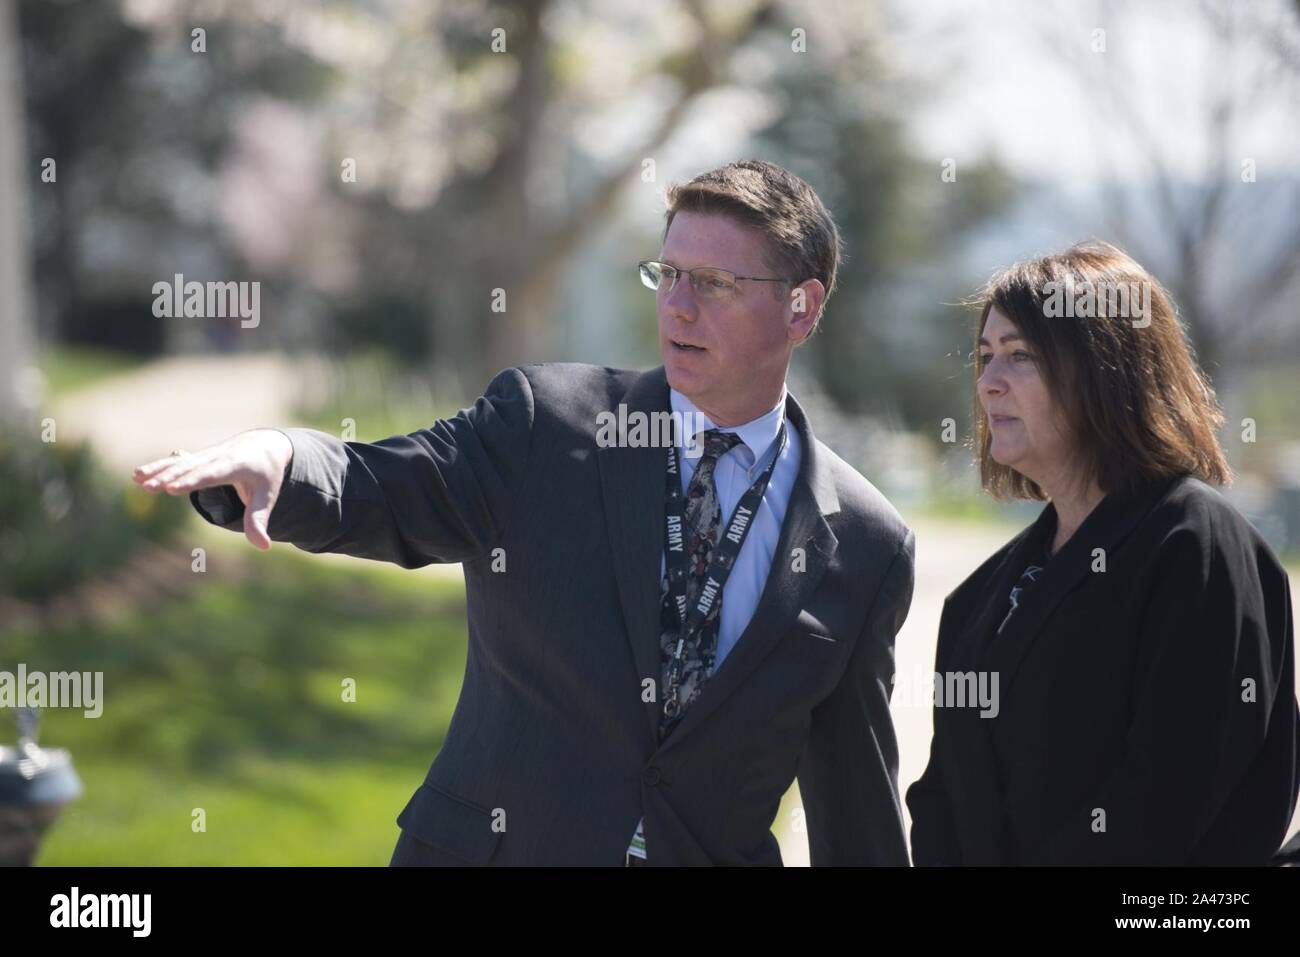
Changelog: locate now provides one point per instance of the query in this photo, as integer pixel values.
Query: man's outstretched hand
(254, 462)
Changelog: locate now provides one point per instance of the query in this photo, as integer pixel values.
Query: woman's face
(1026, 428)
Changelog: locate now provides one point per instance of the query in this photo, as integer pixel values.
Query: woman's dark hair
(1118, 364)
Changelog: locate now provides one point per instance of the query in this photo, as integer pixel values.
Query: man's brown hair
(802, 238)
(1124, 375)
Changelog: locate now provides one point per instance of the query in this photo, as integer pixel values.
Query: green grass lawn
(68, 368)
(230, 700)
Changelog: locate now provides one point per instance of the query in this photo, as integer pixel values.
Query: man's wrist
(283, 451)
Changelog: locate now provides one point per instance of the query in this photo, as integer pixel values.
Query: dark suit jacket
(551, 731)
(1124, 690)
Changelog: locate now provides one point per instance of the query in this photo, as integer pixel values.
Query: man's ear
(805, 307)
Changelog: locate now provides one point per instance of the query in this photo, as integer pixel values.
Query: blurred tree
(488, 207)
(1216, 214)
(137, 124)
(406, 159)
(477, 183)
(842, 127)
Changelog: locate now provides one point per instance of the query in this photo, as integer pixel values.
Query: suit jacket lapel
(966, 742)
(1105, 527)
(984, 608)
(632, 482)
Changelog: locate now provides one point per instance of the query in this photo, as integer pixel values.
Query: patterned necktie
(702, 517)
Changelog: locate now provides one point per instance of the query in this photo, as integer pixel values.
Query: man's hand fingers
(256, 517)
(202, 476)
(172, 472)
(252, 462)
(147, 471)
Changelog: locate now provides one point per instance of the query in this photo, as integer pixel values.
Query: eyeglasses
(707, 281)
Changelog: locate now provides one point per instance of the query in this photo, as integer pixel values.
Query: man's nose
(680, 300)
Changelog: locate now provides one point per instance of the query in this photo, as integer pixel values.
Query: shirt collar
(756, 435)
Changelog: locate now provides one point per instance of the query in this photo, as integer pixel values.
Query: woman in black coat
(1137, 638)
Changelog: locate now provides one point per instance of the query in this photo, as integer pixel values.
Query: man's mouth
(686, 346)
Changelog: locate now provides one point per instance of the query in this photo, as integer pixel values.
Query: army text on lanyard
(722, 560)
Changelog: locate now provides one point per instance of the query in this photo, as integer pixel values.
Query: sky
(1022, 79)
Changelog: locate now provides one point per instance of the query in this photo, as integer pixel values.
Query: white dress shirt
(733, 475)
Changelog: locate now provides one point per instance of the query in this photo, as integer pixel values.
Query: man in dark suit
(662, 634)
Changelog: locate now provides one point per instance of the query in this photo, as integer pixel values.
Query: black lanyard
(721, 561)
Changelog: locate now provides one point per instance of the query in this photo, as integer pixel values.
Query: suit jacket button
(651, 776)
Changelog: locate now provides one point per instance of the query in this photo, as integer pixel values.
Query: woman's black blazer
(1146, 695)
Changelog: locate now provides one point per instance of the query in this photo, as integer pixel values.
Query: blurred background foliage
(475, 170)
(62, 522)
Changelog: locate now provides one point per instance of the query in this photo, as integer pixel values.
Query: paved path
(945, 555)
(180, 402)
(190, 402)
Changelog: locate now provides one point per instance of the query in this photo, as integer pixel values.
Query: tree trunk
(15, 280)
